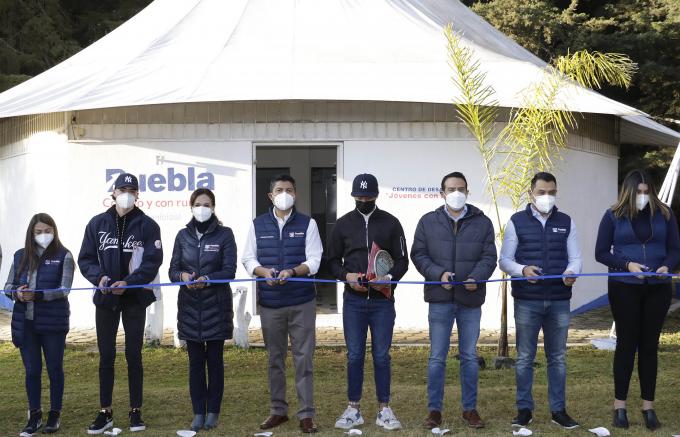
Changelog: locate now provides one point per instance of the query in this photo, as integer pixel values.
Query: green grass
(167, 405)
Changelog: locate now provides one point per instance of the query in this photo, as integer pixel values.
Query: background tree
(35, 35)
(535, 133)
(647, 31)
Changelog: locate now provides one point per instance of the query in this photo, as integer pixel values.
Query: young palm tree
(535, 133)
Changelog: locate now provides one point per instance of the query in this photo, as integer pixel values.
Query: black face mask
(365, 207)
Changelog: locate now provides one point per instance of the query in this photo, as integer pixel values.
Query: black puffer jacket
(204, 314)
(466, 249)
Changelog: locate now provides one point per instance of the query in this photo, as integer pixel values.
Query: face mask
(202, 213)
(284, 201)
(545, 203)
(456, 200)
(125, 200)
(365, 207)
(641, 201)
(44, 240)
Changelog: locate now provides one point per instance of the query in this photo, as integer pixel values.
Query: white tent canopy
(217, 50)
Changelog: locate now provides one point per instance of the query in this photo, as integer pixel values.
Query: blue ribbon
(335, 281)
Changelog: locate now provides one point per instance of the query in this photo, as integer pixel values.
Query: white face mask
(456, 200)
(641, 201)
(44, 240)
(284, 201)
(125, 200)
(202, 213)
(544, 203)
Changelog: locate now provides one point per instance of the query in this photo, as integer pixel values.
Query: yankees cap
(365, 185)
(126, 180)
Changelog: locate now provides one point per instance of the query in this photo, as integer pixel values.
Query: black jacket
(101, 255)
(204, 314)
(466, 249)
(352, 239)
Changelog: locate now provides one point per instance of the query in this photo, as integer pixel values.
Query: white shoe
(387, 419)
(349, 419)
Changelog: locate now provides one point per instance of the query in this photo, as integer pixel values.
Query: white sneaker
(387, 419)
(349, 419)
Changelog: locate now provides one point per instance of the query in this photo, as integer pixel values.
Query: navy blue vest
(544, 247)
(48, 316)
(282, 252)
(627, 246)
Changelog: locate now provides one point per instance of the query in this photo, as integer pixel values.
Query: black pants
(639, 311)
(206, 397)
(134, 318)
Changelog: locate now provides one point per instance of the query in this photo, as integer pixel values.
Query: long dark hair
(207, 192)
(30, 259)
(626, 206)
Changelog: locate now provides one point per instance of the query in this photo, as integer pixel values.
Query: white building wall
(67, 179)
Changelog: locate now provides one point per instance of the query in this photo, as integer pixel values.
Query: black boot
(620, 418)
(651, 421)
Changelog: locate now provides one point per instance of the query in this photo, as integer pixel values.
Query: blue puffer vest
(282, 252)
(48, 316)
(650, 253)
(544, 247)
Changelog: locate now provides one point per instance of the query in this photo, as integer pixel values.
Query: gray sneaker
(349, 419)
(387, 419)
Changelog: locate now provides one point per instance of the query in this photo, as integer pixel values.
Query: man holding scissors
(454, 243)
(283, 243)
(121, 247)
(357, 235)
(541, 241)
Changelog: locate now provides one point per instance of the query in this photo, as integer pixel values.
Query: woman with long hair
(39, 280)
(204, 250)
(638, 234)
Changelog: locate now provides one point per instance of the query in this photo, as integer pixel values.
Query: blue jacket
(282, 251)
(544, 247)
(48, 316)
(100, 254)
(204, 314)
(466, 248)
(626, 246)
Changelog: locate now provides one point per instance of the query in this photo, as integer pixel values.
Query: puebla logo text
(172, 180)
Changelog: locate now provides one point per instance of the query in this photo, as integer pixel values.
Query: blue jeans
(358, 315)
(530, 316)
(441, 317)
(34, 346)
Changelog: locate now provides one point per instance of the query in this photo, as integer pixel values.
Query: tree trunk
(503, 338)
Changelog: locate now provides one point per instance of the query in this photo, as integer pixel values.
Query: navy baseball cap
(126, 180)
(365, 185)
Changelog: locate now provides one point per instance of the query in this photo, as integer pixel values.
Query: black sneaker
(102, 422)
(53, 422)
(524, 417)
(33, 425)
(562, 419)
(136, 422)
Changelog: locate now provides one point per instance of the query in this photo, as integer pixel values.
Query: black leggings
(639, 311)
(206, 397)
(134, 316)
